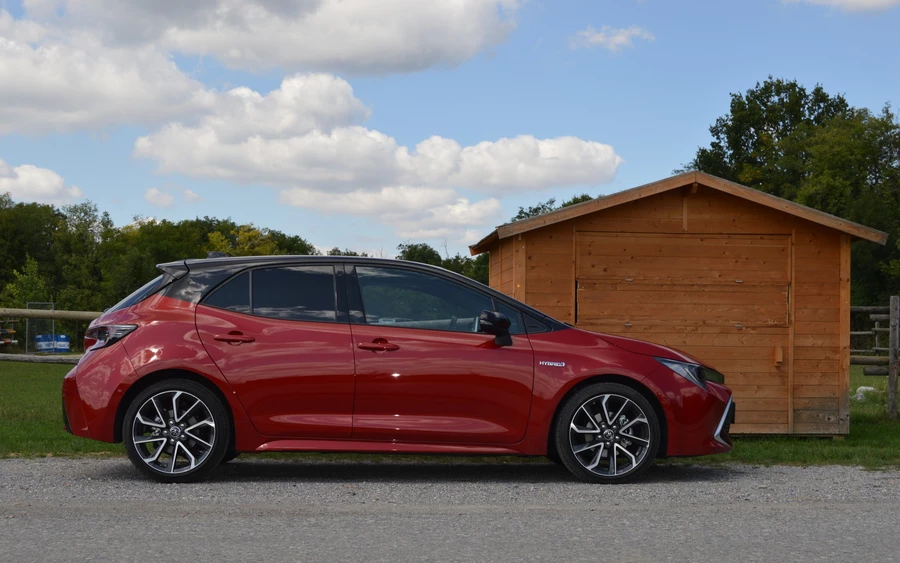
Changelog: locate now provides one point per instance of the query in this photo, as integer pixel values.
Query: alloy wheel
(610, 435)
(173, 432)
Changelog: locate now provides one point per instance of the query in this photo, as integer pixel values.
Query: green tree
(27, 229)
(762, 141)
(29, 284)
(419, 252)
(548, 206)
(245, 240)
(474, 268)
(812, 148)
(77, 253)
(291, 244)
(336, 251)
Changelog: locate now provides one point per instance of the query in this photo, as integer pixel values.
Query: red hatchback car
(223, 356)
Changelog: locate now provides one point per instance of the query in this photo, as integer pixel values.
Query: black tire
(607, 417)
(229, 456)
(176, 431)
(553, 455)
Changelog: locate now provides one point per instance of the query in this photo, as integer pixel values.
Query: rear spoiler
(175, 269)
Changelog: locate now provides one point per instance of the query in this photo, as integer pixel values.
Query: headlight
(694, 372)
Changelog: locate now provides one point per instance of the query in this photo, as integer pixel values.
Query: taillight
(104, 335)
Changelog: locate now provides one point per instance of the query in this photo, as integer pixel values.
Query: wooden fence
(881, 358)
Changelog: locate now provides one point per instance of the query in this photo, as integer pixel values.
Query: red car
(224, 356)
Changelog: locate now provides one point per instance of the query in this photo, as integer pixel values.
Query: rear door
(424, 373)
(280, 336)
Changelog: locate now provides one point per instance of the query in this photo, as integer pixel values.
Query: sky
(365, 124)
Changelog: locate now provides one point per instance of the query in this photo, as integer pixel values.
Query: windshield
(144, 292)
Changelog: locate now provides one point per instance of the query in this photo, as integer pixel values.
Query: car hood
(648, 348)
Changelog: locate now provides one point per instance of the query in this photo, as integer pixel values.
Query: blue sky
(528, 100)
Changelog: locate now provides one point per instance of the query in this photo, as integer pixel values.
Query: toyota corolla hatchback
(224, 356)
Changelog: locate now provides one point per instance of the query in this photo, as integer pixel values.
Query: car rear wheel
(176, 431)
(607, 433)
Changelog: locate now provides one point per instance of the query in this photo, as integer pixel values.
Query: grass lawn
(31, 414)
(873, 442)
(31, 425)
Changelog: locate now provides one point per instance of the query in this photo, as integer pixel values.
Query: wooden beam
(35, 359)
(877, 310)
(869, 360)
(792, 320)
(792, 208)
(52, 315)
(519, 270)
(894, 346)
(844, 331)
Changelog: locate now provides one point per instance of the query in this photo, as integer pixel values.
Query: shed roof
(674, 182)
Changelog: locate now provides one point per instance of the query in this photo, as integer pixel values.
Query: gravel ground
(100, 509)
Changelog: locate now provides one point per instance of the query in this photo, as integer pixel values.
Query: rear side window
(142, 293)
(233, 296)
(297, 293)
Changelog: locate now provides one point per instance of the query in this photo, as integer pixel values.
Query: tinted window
(140, 294)
(534, 326)
(233, 296)
(515, 317)
(297, 293)
(404, 298)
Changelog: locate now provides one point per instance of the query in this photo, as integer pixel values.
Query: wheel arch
(155, 377)
(622, 380)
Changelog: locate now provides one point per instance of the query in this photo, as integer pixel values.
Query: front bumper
(721, 436)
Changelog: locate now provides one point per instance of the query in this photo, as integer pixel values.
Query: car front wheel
(176, 431)
(607, 433)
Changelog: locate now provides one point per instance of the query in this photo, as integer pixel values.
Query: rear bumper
(92, 390)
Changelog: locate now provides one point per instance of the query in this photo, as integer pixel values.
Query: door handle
(234, 337)
(378, 345)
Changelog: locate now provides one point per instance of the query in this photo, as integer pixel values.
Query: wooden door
(721, 298)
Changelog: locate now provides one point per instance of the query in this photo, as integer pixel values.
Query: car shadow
(243, 470)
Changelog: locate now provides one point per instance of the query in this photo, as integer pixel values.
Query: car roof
(227, 261)
(180, 267)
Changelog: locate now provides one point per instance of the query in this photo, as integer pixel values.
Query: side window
(515, 317)
(403, 298)
(297, 293)
(233, 296)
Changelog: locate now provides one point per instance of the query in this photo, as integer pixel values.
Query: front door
(424, 373)
(284, 346)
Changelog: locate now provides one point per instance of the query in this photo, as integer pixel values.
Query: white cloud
(306, 138)
(610, 38)
(63, 82)
(853, 5)
(159, 198)
(354, 36)
(303, 135)
(30, 183)
(415, 212)
(190, 196)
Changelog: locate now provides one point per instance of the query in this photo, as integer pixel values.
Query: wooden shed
(756, 286)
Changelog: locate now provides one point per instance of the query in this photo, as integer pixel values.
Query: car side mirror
(496, 323)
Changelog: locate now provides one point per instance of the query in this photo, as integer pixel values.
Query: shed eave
(687, 178)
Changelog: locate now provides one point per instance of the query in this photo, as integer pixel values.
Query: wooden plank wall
(806, 392)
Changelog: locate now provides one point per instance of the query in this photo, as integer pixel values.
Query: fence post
(893, 345)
